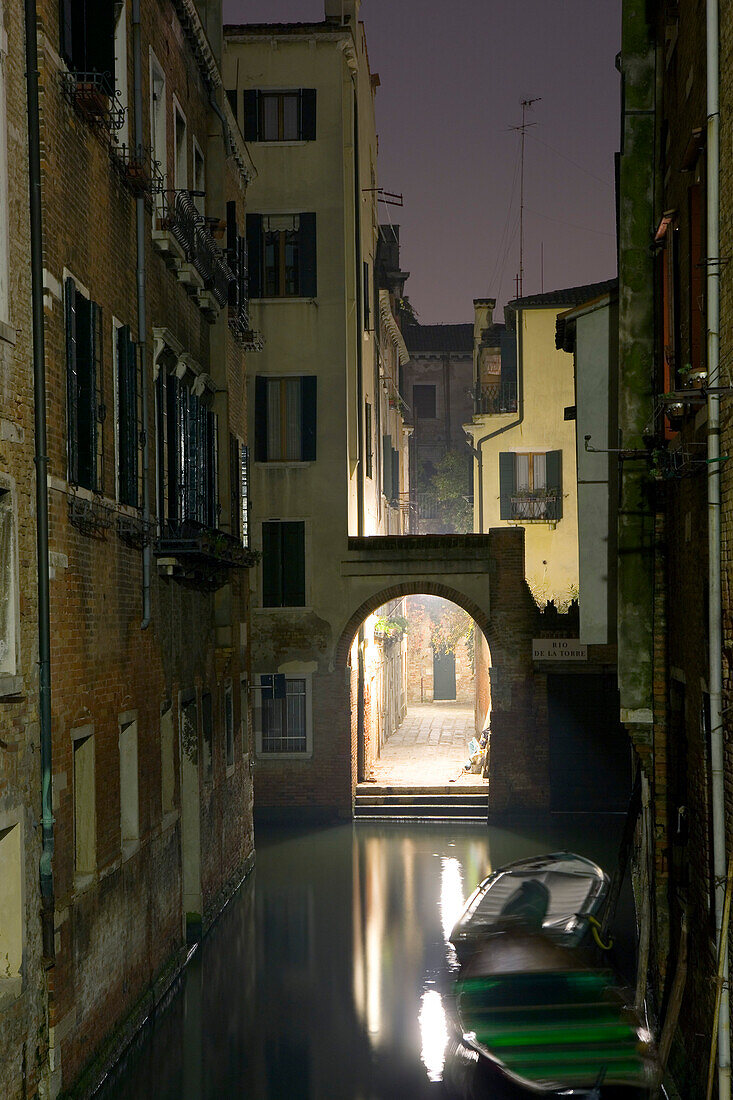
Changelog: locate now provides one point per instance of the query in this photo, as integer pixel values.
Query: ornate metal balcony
(536, 504)
(202, 556)
(495, 398)
(94, 97)
(191, 231)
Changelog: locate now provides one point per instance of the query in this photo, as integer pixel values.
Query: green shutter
(72, 384)
(395, 475)
(86, 394)
(387, 466)
(260, 418)
(308, 414)
(255, 258)
(506, 483)
(272, 595)
(308, 280)
(251, 115)
(127, 428)
(293, 564)
(308, 114)
(553, 461)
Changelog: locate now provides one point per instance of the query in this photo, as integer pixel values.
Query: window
(187, 452)
(158, 138)
(282, 255)
(390, 470)
(237, 260)
(207, 734)
(280, 115)
(85, 408)
(167, 759)
(369, 453)
(88, 41)
(696, 279)
(423, 402)
(244, 713)
(129, 805)
(229, 724)
(180, 149)
(365, 292)
(285, 419)
(199, 180)
(283, 564)
(530, 485)
(283, 722)
(11, 915)
(8, 585)
(120, 49)
(239, 488)
(85, 828)
(129, 418)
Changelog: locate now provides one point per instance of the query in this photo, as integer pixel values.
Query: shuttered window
(280, 115)
(387, 453)
(530, 486)
(395, 476)
(239, 488)
(283, 722)
(129, 422)
(283, 564)
(285, 419)
(187, 448)
(369, 453)
(84, 405)
(281, 255)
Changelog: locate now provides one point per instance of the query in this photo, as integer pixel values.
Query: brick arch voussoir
(413, 588)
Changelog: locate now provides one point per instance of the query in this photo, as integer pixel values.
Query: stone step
(421, 799)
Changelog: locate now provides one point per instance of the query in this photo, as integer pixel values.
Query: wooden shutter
(368, 439)
(127, 427)
(395, 475)
(387, 466)
(553, 460)
(72, 385)
(98, 410)
(272, 565)
(255, 255)
(308, 280)
(260, 418)
(86, 394)
(251, 126)
(506, 483)
(161, 441)
(308, 414)
(308, 114)
(293, 564)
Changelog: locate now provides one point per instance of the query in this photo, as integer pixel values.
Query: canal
(324, 977)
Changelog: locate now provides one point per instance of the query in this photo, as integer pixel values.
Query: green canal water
(325, 977)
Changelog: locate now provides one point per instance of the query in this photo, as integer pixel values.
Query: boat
(533, 1010)
(559, 894)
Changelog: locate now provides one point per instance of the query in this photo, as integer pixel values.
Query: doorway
(444, 676)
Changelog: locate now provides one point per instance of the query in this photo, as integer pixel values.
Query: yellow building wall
(546, 379)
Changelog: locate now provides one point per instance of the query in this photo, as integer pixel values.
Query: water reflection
(325, 978)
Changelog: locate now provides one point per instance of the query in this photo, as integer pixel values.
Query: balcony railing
(191, 230)
(496, 397)
(536, 504)
(201, 555)
(94, 96)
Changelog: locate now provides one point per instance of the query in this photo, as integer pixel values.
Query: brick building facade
(144, 176)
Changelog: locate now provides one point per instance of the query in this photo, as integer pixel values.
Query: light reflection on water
(325, 978)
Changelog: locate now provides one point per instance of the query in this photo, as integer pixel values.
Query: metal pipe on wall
(715, 631)
(41, 463)
(142, 309)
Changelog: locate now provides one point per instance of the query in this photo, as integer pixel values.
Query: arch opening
(420, 693)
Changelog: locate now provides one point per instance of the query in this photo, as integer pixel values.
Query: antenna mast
(526, 103)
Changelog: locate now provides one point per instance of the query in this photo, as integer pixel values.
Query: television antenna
(522, 130)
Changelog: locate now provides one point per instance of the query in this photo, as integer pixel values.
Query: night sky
(453, 75)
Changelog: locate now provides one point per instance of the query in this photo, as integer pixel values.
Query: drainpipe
(477, 448)
(41, 463)
(142, 322)
(359, 327)
(715, 677)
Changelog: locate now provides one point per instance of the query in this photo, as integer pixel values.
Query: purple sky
(453, 75)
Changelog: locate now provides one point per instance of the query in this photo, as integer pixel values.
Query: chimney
(483, 316)
(342, 11)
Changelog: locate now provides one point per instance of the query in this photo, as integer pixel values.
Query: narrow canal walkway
(428, 749)
(327, 976)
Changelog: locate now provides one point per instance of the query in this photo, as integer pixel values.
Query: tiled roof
(439, 339)
(492, 334)
(569, 296)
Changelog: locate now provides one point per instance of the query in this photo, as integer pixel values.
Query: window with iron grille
(85, 408)
(187, 453)
(285, 418)
(530, 485)
(280, 115)
(129, 418)
(88, 40)
(283, 563)
(283, 722)
(281, 251)
(239, 486)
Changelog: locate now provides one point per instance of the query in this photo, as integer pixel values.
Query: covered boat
(555, 894)
(547, 1022)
